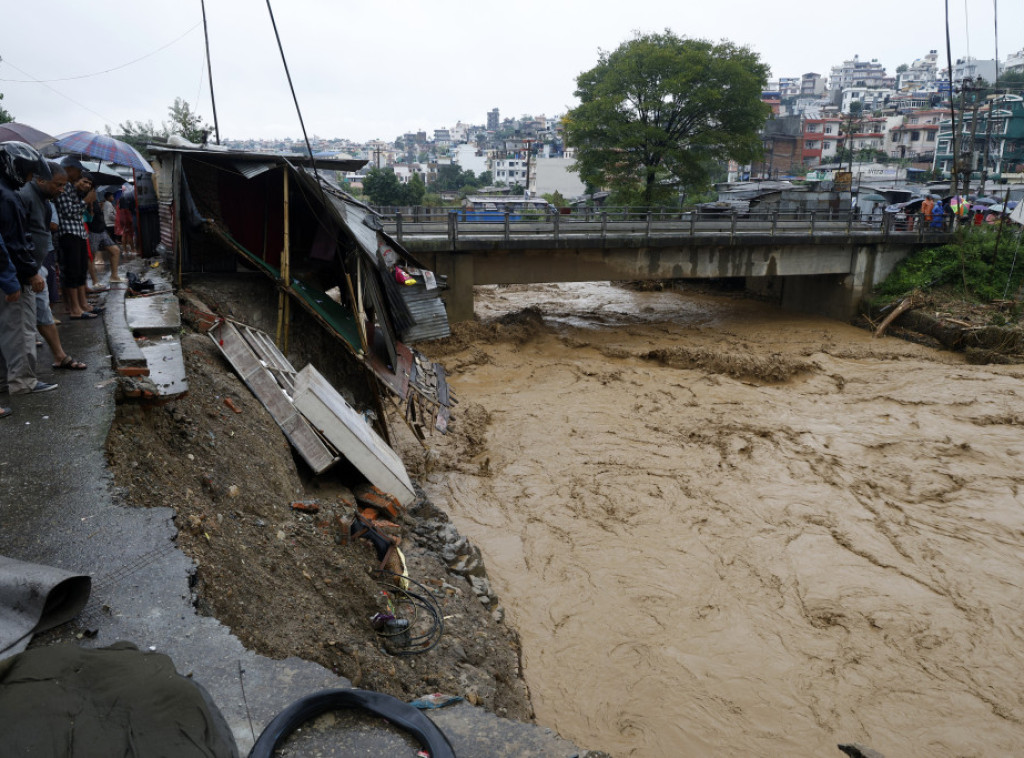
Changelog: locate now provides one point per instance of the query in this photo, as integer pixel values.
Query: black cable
(298, 110)
(432, 636)
(209, 68)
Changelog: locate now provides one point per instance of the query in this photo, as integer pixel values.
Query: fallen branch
(908, 302)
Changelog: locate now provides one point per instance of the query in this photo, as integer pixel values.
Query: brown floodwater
(723, 529)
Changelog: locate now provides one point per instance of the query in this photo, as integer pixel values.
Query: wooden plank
(267, 390)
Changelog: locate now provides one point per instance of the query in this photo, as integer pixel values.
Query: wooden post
(283, 310)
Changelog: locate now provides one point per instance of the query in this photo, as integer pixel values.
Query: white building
(858, 73)
(972, 68)
(470, 158)
(919, 74)
(871, 99)
(509, 171)
(550, 175)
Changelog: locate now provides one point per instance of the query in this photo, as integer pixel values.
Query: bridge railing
(455, 223)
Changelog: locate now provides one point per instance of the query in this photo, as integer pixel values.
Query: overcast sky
(376, 70)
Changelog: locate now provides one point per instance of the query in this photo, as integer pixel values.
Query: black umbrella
(15, 132)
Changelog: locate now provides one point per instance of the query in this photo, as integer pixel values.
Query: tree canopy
(659, 111)
(383, 187)
(183, 121)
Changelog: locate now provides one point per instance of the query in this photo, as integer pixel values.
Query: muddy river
(722, 529)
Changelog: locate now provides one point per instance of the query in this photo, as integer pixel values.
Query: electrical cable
(100, 73)
(288, 74)
(33, 80)
(421, 642)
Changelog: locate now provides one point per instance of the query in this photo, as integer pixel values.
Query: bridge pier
(458, 298)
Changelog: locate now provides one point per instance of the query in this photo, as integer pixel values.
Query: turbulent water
(722, 529)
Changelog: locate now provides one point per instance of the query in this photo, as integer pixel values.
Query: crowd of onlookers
(56, 231)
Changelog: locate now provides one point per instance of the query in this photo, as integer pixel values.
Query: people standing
(99, 240)
(18, 164)
(110, 215)
(36, 195)
(926, 208)
(11, 289)
(72, 248)
(126, 218)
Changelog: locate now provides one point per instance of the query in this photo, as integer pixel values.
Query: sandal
(85, 315)
(5, 412)
(70, 364)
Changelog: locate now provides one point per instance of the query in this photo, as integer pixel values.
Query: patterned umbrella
(104, 147)
(15, 132)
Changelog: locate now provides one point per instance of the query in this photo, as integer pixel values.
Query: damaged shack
(227, 215)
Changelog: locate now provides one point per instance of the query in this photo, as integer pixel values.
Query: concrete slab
(153, 314)
(126, 355)
(166, 365)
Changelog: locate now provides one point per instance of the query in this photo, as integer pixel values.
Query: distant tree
(186, 122)
(555, 198)
(856, 108)
(413, 192)
(656, 110)
(5, 115)
(485, 179)
(901, 68)
(383, 187)
(138, 134)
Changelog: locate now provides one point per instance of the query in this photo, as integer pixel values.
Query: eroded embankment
(725, 530)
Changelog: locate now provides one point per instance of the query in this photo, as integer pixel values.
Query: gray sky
(367, 70)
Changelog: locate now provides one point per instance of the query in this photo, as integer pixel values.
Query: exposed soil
(288, 582)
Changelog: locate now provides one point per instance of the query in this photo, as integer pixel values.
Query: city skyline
(359, 76)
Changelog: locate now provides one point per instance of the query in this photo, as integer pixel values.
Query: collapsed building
(227, 214)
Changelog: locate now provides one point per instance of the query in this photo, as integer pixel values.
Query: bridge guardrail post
(732, 226)
(506, 225)
(813, 213)
(453, 227)
(650, 219)
(849, 222)
(774, 220)
(556, 222)
(398, 225)
(920, 226)
(604, 225)
(693, 220)
(886, 223)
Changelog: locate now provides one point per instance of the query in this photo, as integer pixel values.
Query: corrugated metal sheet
(428, 314)
(166, 211)
(249, 169)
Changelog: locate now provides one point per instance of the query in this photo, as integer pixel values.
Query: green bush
(970, 265)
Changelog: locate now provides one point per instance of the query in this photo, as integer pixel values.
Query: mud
(722, 529)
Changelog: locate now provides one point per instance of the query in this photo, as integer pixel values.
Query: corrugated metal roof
(233, 156)
(249, 169)
(428, 313)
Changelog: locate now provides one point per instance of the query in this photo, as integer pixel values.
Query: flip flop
(84, 316)
(70, 364)
(5, 412)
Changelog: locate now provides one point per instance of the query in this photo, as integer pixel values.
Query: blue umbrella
(105, 148)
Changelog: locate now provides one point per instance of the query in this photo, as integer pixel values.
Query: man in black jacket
(18, 163)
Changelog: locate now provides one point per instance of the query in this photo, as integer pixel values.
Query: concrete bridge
(815, 264)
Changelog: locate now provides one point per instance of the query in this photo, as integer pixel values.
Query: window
(830, 129)
(814, 128)
(930, 137)
(811, 144)
(915, 136)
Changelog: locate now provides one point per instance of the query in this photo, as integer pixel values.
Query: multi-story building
(812, 85)
(866, 134)
(916, 137)
(821, 139)
(789, 86)
(972, 68)
(509, 170)
(870, 98)
(998, 142)
(919, 74)
(1014, 63)
(493, 120)
(858, 73)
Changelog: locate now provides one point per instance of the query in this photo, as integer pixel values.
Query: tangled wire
(413, 622)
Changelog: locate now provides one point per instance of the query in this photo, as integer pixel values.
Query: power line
(99, 73)
(33, 80)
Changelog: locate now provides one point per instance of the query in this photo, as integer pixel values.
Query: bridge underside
(829, 279)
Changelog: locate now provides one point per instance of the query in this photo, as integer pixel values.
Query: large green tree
(658, 112)
(383, 187)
